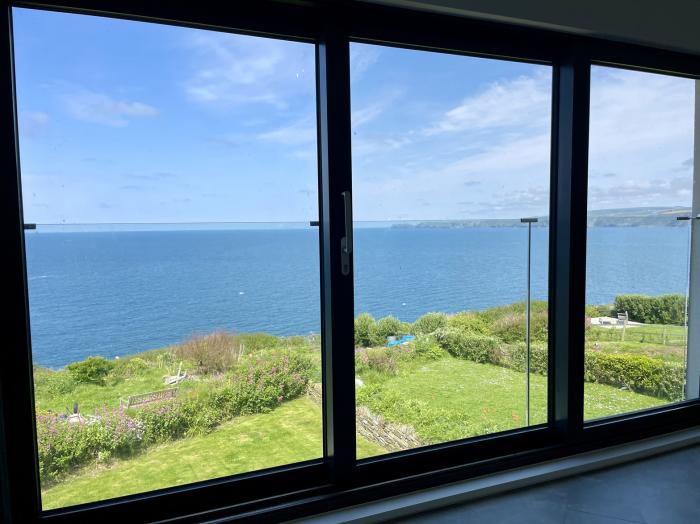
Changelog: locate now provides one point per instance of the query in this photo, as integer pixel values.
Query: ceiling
(669, 24)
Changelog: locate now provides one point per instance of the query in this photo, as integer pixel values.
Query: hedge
(638, 373)
(662, 309)
(479, 348)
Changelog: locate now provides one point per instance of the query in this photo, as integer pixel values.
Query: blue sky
(131, 122)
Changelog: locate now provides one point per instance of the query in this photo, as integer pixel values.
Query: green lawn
(453, 398)
(91, 396)
(290, 433)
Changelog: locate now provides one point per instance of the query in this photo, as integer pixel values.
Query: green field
(451, 398)
(243, 406)
(653, 340)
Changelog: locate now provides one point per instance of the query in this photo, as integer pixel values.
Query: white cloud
(524, 101)
(362, 57)
(303, 132)
(102, 109)
(237, 69)
(32, 123)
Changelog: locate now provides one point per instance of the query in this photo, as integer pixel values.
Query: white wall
(671, 24)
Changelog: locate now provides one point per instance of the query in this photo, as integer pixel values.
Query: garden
(246, 401)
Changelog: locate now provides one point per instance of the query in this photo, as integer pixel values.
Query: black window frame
(339, 479)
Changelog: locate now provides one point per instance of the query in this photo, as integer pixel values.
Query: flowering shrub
(257, 385)
(63, 444)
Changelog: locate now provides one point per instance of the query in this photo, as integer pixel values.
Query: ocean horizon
(125, 289)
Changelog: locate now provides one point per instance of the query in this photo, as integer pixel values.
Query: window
(173, 272)
(640, 198)
(451, 194)
(196, 325)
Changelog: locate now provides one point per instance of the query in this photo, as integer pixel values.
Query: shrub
(494, 313)
(92, 370)
(390, 327)
(511, 328)
(129, 367)
(639, 373)
(428, 323)
(662, 309)
(514, 356)
(263, 383)
(478, 348)
(427, 347)
(469, 322)
(365, 331)
(603, 310)
(253, 342)
(63, 445)
(53, 383)
(213, 353)
(379, 359)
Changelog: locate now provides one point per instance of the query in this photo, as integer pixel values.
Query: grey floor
(660, 490)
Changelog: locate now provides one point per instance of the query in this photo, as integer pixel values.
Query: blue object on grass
(403, 340)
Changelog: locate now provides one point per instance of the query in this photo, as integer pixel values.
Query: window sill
(464, 491)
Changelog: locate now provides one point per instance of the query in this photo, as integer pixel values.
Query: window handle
(346, 241)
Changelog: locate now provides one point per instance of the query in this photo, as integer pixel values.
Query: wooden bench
(147, 398)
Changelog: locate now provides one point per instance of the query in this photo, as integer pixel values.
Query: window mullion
(335, 182)
(568, 249)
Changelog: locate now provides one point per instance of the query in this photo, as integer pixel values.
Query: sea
(119, 290)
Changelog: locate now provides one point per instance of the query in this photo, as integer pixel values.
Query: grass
(452, 398)
(656, 341)
(291, 433)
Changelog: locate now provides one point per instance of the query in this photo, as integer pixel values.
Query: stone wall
(390, 436)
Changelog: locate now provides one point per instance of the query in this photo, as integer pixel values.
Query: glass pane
(173, 272)
(450, 153)
(638, 247)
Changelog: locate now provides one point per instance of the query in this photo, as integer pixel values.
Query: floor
(659, 490)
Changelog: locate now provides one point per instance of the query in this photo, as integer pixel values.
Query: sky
(125, 121)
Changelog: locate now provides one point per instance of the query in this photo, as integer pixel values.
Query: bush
(263, 383)
(390, 327)
(92, 370)
(604, 310)
(63, 445)
(365, 331)
(479, 348)
(639, 373)
(428, 323)
(492, 314)
(257, 385)
(213, 353)
(53, 383)
(129, 367)
(379, 359)
(469, 322)
(662, 309)
(427, 347)
(514, 356)
(511, 328)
